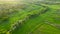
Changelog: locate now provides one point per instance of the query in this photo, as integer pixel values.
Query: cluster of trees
(7, 9)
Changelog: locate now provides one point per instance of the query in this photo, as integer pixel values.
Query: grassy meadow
(30, 17)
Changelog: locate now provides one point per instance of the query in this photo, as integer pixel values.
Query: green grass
(42, 20)
(38, 26)
(21, 14)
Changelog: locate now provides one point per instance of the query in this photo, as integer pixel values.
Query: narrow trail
(54, 25)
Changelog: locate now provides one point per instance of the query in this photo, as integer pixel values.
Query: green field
(30, 18)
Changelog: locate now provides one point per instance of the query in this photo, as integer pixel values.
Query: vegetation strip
(20, 21)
